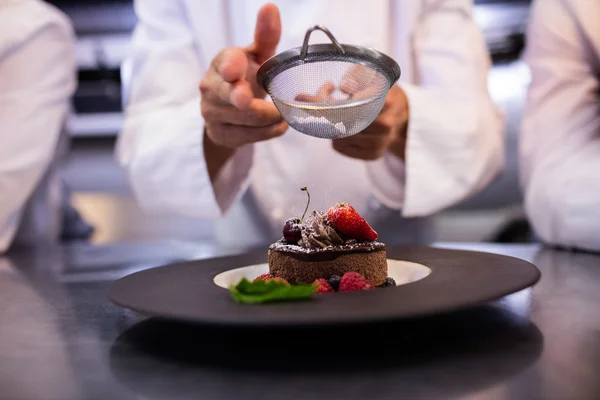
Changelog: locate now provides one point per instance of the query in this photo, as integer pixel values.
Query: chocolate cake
(328, 244)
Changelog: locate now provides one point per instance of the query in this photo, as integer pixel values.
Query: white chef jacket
(560, 142)
(454, 143)
(37, 78)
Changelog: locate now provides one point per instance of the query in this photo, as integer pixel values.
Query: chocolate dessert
(327, 246)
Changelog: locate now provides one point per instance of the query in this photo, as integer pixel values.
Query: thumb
(267, 33)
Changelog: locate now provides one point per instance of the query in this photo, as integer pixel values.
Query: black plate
(459, 279)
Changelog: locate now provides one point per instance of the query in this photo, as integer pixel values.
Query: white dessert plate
(402, 272)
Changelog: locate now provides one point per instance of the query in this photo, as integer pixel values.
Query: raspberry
(268, 277)
(323, 286)
(353, 281)
(264, 277)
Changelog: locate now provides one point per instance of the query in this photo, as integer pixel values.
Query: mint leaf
(262, 292)
(259, 286)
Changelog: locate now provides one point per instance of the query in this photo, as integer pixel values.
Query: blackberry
(334, 281)
(389, 282)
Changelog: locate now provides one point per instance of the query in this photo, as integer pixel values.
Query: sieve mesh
(329, 92)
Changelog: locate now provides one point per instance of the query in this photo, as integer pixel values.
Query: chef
(202, 140)
(37, 79)
(560, 140)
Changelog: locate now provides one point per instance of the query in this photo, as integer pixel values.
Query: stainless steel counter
(60, 338)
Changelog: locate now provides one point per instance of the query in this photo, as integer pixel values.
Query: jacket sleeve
(36, 84)
(160, 146)
(455, 132)
(560, 141)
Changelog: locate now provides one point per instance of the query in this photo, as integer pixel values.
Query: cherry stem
(304, 189)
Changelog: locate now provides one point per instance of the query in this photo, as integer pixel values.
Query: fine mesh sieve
(329, 90)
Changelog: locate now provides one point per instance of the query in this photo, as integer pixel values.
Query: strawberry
(267, 277)
(353, 281)
(323, 286)
(348, 222)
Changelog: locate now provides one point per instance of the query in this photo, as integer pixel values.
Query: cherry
(292, 232)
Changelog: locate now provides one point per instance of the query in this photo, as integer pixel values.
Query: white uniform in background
(455, 144)
(560, 142)
(37, 79)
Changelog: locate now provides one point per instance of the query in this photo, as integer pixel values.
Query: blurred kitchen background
(100, 190)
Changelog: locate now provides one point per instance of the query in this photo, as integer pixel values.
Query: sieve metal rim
(329, 106)
(307, 53)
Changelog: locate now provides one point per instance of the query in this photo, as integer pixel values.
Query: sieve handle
(327, 32)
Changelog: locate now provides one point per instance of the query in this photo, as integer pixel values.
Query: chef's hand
(386, 133)
(233, 105)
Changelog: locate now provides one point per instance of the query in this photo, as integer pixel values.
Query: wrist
(215, 156)
(397, 146)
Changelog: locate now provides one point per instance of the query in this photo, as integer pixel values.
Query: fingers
(386, 132)
(326, 89)
(240, 95)
(228, 122)
(307, 98)
(225, 82)
(368, 145)
(354, 84)
(361, 82)
(231, 64)
(230, 104)
(266, 33)
(217, 91)
(235, 135)
(380, 128)
(352, 78)
(365, 93)
(259, 113)
(322, 94)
